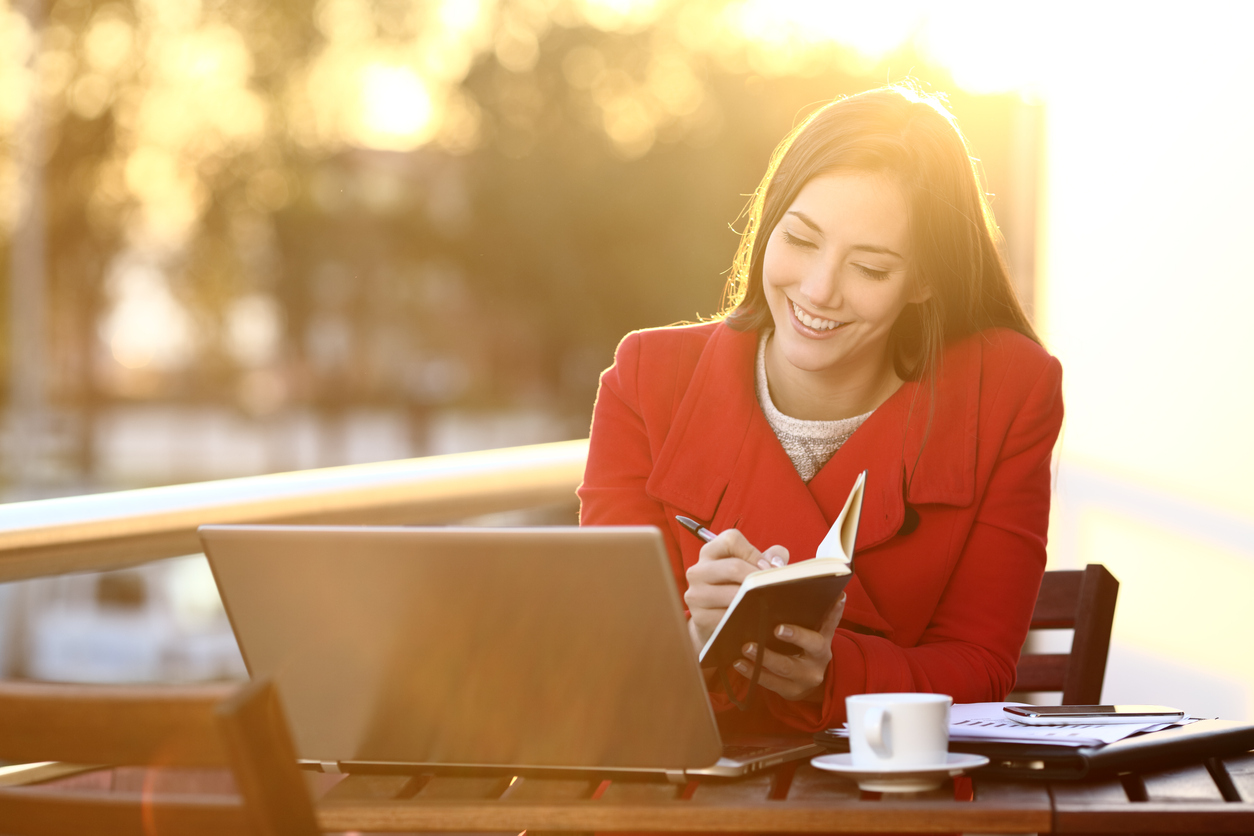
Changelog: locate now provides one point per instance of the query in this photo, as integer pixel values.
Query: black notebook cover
(768, 600)
(1142, 753)
(803, 602)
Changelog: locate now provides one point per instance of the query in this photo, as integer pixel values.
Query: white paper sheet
(985, 721)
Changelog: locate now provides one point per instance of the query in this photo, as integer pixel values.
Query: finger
(765, 678)
(790, 687)
(832, 620)
(732, 544)
(710, 596)
(811, 643)
(777, 555)
(720, 571)
(789, 667)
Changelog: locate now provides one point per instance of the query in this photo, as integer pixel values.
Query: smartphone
(1066, 715)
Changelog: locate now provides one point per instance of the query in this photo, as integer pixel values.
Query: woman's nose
(821, 287)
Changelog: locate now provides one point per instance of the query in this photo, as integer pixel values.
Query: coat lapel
(699, 454)
(892, 446)
(722, 464)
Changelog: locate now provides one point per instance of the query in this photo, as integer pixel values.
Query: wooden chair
(241, 728)
(1084, 601)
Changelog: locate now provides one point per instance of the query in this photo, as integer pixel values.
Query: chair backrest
(1085, 602)
(159, 726)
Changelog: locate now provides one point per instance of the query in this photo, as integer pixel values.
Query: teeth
(813, 322)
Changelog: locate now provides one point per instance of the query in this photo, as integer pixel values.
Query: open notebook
(801, 593)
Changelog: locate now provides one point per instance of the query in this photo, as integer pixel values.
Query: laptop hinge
(331, 766)
(676, 776)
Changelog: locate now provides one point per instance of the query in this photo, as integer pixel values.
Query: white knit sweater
(808, 443)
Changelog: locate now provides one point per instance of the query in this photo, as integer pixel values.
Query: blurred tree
(408, 203)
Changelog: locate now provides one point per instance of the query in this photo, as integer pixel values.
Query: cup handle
(874, 722)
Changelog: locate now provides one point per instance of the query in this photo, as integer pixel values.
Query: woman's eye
(872, 273)
(795, 241)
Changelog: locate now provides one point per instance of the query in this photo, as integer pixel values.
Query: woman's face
(835, 274)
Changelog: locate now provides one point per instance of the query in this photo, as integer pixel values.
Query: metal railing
(105, 531)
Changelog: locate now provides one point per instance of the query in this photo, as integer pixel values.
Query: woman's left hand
(797, 677)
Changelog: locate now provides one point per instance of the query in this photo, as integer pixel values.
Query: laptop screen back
(543, 647)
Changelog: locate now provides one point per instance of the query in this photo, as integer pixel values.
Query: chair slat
(1042, 672)
(60, 813)
(1084, 601)
(168, 725)
(1241, 771)
(263, 759)
(1057, 600)
(142, 732)
(1187, 783)
(20, 775)
(1095, 617)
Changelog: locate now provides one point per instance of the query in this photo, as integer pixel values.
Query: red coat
(677, 430)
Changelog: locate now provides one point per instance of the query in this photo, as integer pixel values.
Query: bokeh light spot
(146, 325)
(396, 109)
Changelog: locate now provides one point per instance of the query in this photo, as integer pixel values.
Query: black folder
(1141, 753)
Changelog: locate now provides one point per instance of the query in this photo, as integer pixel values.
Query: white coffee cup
(896, 730)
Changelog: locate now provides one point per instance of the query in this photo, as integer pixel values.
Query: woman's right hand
(713, 580)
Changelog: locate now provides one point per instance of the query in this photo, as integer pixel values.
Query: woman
(871, 326)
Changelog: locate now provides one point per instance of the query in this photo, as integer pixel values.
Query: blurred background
(240, 238)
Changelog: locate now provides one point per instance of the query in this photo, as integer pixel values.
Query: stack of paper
(985, 722)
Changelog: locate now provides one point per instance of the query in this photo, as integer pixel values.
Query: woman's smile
(813, 326)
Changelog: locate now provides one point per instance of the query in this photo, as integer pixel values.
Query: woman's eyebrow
(871, 248)
(805, 219)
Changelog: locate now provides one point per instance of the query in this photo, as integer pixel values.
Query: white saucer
(899, 778)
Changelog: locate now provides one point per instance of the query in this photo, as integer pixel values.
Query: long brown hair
(912, 138)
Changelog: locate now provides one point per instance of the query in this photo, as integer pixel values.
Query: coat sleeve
(620, 456)
(971, 645)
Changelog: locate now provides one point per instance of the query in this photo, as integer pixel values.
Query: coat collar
(719, 438)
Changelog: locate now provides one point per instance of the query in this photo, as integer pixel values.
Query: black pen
(696, 528)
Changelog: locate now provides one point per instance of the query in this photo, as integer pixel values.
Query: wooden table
(1215, 798)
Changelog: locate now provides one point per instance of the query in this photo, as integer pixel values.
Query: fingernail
(742, 667)
(783, 631)
(779, 560)
(763, 564)
(751, 649)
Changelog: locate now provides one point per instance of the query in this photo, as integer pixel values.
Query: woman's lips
(825, 327)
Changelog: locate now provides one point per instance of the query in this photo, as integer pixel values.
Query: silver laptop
(519, 649)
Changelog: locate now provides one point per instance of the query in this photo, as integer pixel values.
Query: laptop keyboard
(744, 753)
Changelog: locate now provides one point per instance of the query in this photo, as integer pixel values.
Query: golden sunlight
(971, 43)
(620, 15)
(781, 25)
(16, 81)
(396, 109)
(146, 325)
(461, 15)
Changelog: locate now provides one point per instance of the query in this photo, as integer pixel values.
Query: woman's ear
(919, 295)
